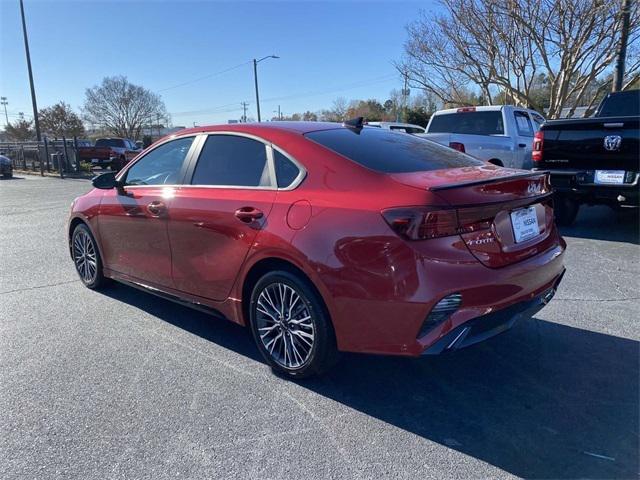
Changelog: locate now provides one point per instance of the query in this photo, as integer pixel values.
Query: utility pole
(158, 124)
(255, 78)
(4, 103)
(33, 90)
(244, 111)
(618, 74)
(405, 96)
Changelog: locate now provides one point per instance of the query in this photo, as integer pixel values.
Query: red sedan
(324, 237)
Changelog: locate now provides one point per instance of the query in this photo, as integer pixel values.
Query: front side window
(162, 165)
(230, 160)
(523, 124)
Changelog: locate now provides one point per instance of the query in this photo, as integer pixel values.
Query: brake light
(537, 148)
(423, 223)
(466, 109)
(457, 146)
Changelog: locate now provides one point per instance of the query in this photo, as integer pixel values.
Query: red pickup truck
(110, 152)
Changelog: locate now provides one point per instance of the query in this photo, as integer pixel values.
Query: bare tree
(122, 108)
(337, 112)
(20, 130)
(59, 120)
(501, 48)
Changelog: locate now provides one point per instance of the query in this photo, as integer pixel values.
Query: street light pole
(33, 90)
(255, 79)
(4, 103)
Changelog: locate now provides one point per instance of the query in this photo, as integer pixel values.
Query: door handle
(522, 145)
(157, 208)
(248, 214)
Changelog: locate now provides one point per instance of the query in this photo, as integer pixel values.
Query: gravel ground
(121, 384)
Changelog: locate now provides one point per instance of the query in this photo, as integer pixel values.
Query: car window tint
(388, 152)
(286, 170)
(162, 165)
(621, 104)
(470, 123)
(234, 161)
(523, 124)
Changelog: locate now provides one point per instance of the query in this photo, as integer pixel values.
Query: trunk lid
(503, 215)
(580, 144)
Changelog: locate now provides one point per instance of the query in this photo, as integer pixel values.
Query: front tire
(290, 326)
(86, 257)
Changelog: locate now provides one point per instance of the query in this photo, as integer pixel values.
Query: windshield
(390, 152)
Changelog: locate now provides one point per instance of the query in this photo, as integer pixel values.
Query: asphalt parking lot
(121, 384)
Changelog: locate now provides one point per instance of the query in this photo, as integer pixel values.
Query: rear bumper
(579, 184)
(492, 324)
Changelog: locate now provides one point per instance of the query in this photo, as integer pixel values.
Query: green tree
(60, 121)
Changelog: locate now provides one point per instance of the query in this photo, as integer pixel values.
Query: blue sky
(327, 49)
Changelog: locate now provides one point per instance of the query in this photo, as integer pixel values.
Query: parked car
(400, 127)
(323, 237)
(6, 167)
(500, 134)
(593, 160)
(110, 152)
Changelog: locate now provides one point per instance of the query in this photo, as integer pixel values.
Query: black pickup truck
(593, 160)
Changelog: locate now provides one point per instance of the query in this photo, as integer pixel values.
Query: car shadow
(543, 400)
(604, 223)
(4, 179)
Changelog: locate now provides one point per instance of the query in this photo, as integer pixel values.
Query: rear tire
(86, 257)
(290, 326)
(7, 175)
(565, 209)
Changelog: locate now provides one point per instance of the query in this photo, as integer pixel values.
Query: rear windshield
(470, 123)
(390, 152)
(110, 142)
(623, 104)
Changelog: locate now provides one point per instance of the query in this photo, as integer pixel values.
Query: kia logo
(612, 142)
(534, 189)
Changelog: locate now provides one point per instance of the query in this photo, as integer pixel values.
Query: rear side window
(286, 170)
(231, 160)
(387, 152)
(523, 124)
(470, 123)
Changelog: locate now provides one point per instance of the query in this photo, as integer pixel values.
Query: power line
(189, 82)
(350, 86)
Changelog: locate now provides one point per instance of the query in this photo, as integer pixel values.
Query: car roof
(255, 127)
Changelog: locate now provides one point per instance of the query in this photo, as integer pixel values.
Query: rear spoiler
(484, 181)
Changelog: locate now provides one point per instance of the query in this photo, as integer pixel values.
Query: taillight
(423, 223)
(538, 144)
(457, 146)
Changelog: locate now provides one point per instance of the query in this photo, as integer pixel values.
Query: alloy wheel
(285, 325)
(84, 256)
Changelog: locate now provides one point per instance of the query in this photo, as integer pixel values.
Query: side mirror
(106, 181)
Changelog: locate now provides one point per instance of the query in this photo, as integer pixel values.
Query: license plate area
(524, 223)
(609, 177)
